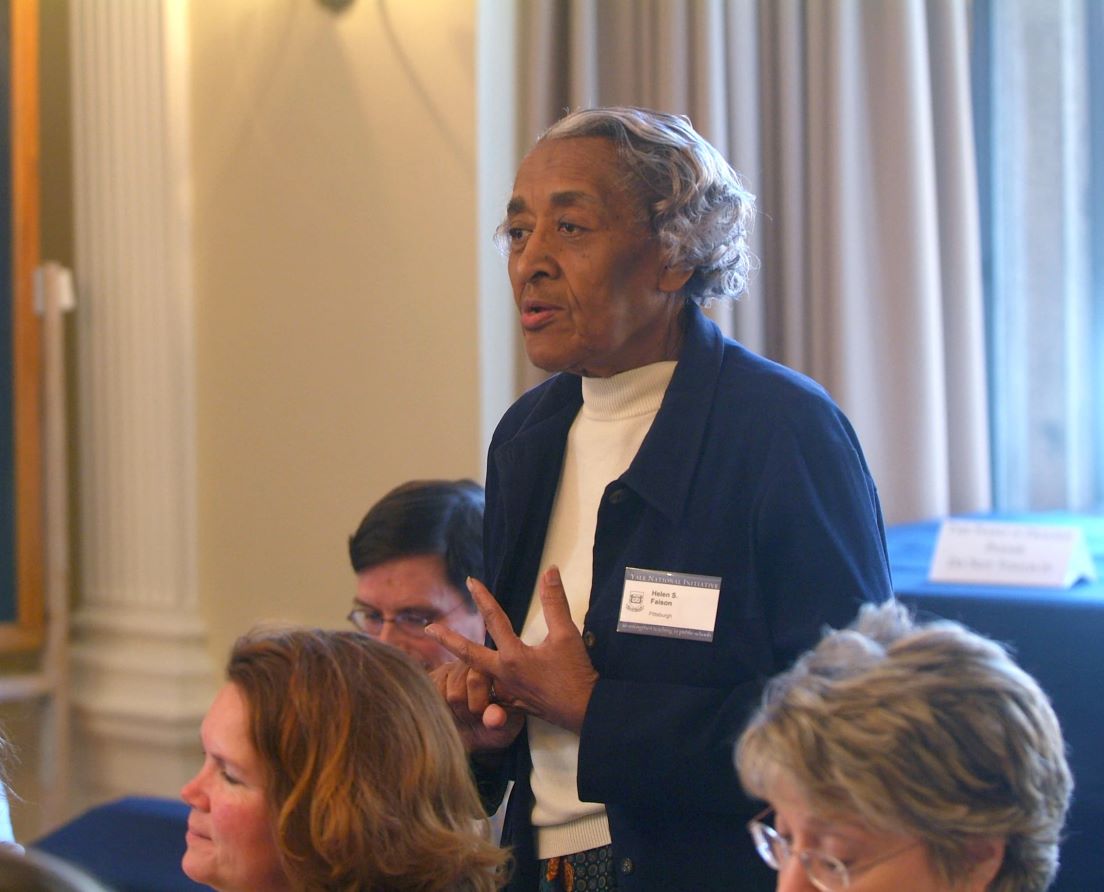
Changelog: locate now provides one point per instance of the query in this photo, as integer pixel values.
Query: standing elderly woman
(901, 757)
(331, 764)
(670, 520)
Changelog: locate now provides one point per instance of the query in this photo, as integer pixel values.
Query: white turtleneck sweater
(604, 438)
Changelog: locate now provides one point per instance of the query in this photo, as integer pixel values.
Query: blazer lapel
(528, 467)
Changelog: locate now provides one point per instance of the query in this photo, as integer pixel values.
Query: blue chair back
(132, 844)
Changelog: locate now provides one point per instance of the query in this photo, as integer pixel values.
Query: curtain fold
(852, 121)
(1040, 95)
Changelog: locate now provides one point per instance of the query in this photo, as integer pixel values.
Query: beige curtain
(851, 120)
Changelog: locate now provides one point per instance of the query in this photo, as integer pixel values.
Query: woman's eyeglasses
(826, 872)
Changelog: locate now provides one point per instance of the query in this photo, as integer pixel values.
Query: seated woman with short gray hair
(902, 756)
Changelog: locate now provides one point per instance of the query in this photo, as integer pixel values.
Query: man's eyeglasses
(411, 623)
(826, 872)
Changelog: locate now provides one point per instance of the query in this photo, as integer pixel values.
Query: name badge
(669, 605)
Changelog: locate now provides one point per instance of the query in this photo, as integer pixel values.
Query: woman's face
(230, 842)
(877, 861)
(593, 292)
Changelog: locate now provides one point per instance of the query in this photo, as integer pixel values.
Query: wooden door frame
(26, 631)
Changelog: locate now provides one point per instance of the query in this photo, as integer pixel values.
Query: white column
(141, 673)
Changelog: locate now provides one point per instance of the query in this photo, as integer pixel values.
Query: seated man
(412, 553)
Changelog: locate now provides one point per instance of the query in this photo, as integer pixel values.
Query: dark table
(1058, 636)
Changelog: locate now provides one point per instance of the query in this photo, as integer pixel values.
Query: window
(1039, 117)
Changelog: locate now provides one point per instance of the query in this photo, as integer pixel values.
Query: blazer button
(618, 496)
(627, 865)
(589, 638)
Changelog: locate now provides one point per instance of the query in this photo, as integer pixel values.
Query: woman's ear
(673, 278)
(986, 853)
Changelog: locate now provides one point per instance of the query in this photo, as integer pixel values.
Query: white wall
(338, 258)
(335, 249)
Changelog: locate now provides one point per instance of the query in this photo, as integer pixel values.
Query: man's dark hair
(419, 517)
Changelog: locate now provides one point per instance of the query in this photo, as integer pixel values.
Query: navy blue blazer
(749, 472)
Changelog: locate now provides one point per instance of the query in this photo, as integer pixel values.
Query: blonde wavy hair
(927, 730)
(366, 778)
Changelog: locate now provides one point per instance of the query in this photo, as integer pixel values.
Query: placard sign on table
(989, 552)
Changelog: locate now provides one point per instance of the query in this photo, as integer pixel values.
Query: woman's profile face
(877, 861)
(854, 847)
(230, 841)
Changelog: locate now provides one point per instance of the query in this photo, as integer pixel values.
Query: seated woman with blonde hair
(332, 764)
(897, 756)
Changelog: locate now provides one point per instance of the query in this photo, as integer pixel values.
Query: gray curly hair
(931, 731)
(700, 210)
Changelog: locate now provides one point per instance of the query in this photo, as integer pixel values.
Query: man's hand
(552, 681)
